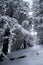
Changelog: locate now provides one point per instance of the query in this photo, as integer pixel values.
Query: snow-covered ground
(34, 56)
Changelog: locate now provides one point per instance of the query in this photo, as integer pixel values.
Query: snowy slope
(34, 56)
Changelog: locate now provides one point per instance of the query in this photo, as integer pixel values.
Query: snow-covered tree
(38, 7)
(18, 33)
(15, 8)
(38, 17)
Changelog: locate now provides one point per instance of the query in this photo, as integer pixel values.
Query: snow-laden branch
(21, 29)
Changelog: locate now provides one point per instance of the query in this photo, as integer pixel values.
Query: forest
(21, 29)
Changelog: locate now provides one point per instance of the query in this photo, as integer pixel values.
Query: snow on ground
(33, 57)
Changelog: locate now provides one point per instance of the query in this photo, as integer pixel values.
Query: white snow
(33, 57)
